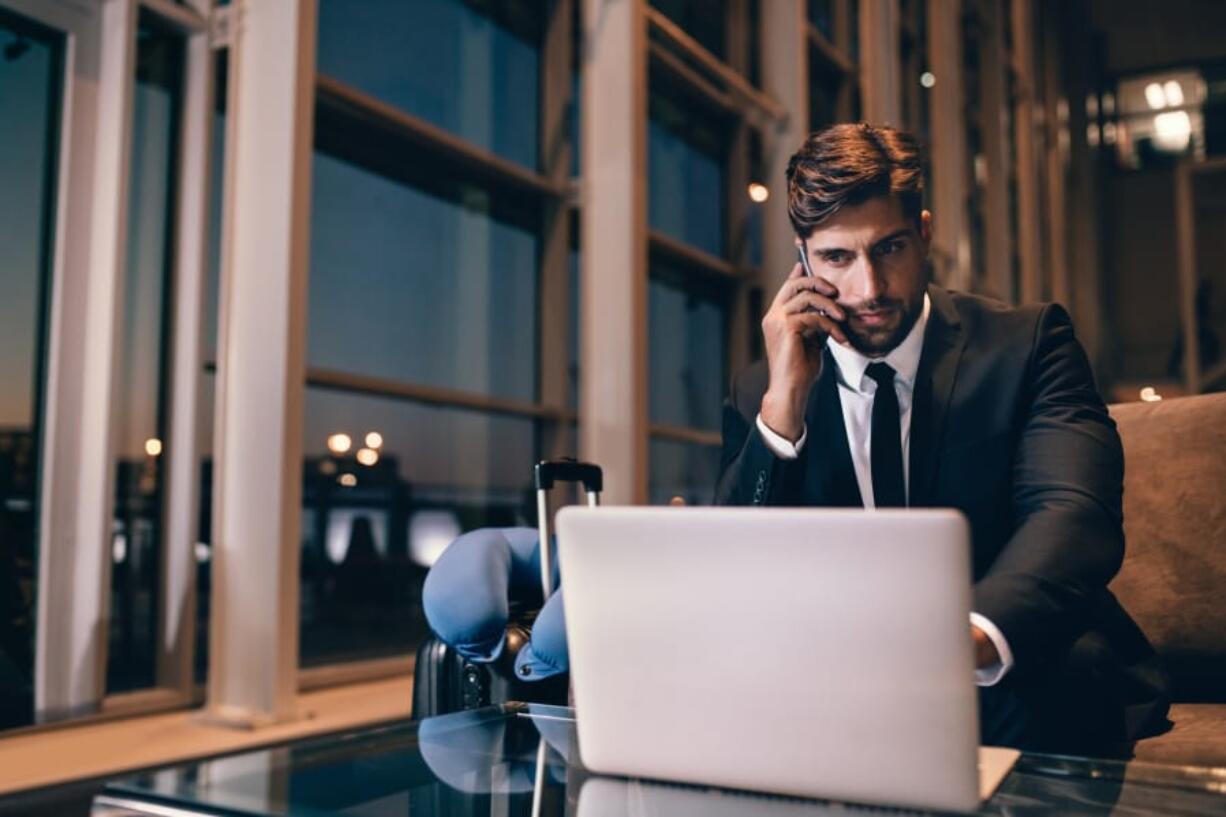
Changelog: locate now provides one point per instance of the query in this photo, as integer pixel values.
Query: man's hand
(802, 315)
(985, 651)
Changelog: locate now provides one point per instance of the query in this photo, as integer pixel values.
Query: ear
(926, 229)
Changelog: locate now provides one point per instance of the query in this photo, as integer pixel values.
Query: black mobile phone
(804, 258)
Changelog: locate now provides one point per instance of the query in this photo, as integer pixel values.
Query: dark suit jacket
(1008, 427)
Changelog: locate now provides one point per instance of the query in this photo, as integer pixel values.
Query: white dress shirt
(856, 392)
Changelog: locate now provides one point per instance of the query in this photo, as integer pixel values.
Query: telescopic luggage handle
(569, 470)
(564, 470)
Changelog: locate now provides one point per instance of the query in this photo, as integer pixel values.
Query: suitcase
(445, 681)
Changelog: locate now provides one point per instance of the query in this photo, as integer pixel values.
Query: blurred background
(532, 228)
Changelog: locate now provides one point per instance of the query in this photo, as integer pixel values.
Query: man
(881, 389)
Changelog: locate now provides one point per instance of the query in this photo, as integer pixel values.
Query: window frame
(89, 255)
(724, 87)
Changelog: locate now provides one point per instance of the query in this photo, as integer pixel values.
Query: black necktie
(889, 490)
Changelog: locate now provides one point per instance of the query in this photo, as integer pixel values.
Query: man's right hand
(795, 328)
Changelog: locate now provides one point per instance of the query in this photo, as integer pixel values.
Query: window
(834, 94)
(701, 157)
(31, 59)
(686, 155)
(423, 414)
(687, 331)
(470, 68)
(1161, 118)
(373, 523)
(141, 393)
(433, 284)
(704, 20)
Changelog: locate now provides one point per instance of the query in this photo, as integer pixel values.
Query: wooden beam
(613, 235)
(683, 434)
(257, 489)
(950, 241)
(433, 395)
(879, 32)
(691, 257)
(343, 99)
(737, 83)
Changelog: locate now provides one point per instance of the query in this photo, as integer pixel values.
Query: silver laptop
(806, 652)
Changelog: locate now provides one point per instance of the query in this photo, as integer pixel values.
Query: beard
(879, 339)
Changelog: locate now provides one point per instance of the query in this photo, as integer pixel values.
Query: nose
(869, 283)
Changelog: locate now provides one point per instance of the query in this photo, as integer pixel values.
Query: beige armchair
(1173, 581)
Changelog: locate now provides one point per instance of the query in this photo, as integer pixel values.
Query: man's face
(874, 255)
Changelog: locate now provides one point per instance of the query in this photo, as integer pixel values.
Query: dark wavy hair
(849, 164)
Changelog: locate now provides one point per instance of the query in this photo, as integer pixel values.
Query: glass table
(521, 759)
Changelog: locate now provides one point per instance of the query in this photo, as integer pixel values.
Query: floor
(57, 772)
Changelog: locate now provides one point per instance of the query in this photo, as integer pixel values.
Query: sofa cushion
(1173, 581)
(1198, 739)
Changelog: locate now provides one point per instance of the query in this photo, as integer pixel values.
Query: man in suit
(881, 389)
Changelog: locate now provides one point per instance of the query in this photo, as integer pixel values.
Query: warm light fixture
(1173, 130)
(367, 456)
(1173, 92)
(339, 443)
(758, 192)
(928, 79)
(1150, 395)
(347, 480)
(374, 440)
(1155, 97)
(153, 446)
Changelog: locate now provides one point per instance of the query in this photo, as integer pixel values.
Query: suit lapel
(934, 384)
(830, 476)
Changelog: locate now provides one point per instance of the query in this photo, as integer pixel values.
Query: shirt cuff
(780, 447)
(992, 675)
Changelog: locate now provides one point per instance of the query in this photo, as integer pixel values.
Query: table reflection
(522, 760)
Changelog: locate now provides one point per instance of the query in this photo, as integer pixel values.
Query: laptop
(803, 652)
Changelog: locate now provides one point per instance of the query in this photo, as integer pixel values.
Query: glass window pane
(824, 83)
(471, 68)
(371, 531)
(687, 470)
(687, 332)
(685, 181)
(704, 20)
(821, 15)
(204, 423)
(426, 285)
(30, 85)
(140, 398)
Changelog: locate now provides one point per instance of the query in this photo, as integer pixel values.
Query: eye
(890, 247)
(836, 257)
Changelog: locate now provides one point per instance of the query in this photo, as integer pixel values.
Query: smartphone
(804, 258)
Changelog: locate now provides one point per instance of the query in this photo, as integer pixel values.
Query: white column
(613, 243)
(78, 473)
(881, 92)
(257, 488)
(951, 253)
(785, 76)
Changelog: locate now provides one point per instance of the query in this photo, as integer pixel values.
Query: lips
(875, 317)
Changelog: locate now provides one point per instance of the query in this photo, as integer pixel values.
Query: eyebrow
(899, 233)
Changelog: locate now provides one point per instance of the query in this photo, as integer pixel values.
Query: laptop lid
(811, 652)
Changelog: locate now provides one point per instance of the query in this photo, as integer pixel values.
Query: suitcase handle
(569, 470)
(547, 473)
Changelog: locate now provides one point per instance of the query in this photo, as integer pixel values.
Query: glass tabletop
(522, 759)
